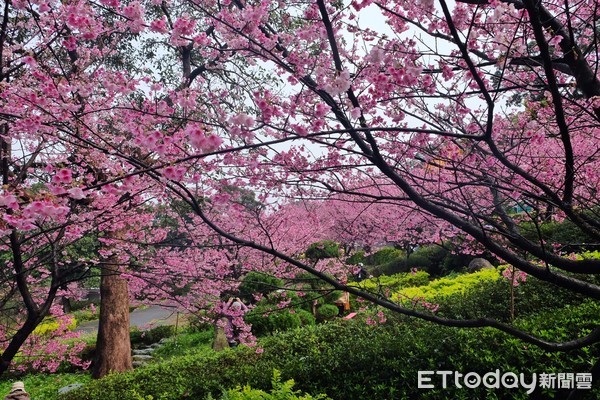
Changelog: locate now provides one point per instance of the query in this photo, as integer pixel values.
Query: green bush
(553, 233)
(148, 337)
(391, 268)
(434, 259)
(384, 256)
(356, 258)
(258, 283)
(393, 282)
(86, 314)
(447, 286)
(306, 317)
(386, 285)
(429, 258)
(352, 360)
(268, 319)
(186, 343)
(322, 250)
(327, 312)
(486, 294)
(49, 325)
(280, 391)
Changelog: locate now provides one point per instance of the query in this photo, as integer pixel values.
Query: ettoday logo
(507, 380)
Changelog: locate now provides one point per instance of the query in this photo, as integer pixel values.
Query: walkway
(143, 319)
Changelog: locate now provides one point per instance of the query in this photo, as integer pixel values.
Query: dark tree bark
(113, 346)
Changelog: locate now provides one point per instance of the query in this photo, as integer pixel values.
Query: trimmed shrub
(327, 312)
(186, 343)
(148, 337)
(429, 258)
(49, 325)
(306, 317)
(323, 249)
(564, 233)
(356, 258)
(258, 283)
(385, 256)
(268, 320)
(352, 360)
(391, 268)
(280, 391)
(486, 294)
(394, 282)
(447, 286)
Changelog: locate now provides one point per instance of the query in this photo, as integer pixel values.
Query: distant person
(234, 308)
(18, 392)
(362, 273)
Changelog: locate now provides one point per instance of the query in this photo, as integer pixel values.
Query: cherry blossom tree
(465, 112)
(449, 117)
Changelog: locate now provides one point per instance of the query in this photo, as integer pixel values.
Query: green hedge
(384, 256)
(352, 360)
(434, 259)
(280, 391)
(393, 282)
(323, 249)
(150, 336)
(267, 320)
(487, 294)
(448, 285)
(386, 285)
(558, 234)
(258, 283)
(267, 317)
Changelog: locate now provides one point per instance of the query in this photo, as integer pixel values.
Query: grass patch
(185, 344)
(44, 386)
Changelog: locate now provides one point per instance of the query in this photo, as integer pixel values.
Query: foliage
(564, 234)
(86, 314)
(491, 298)
(306, 317)
(322, 250)
(338, 358)
(280, 391)
(384, 256)
(44, 386)
(437, 260)
(287, 309)
(150, 336)
(266, 320)
(386, 285)
(191, 342)
(446, 286)
(357, 258)
(327, 312)
(51, 325)
(256, 283)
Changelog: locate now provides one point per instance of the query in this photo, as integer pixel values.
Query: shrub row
(353, 360)
(487, 294)
(447, 286)
(434, 259)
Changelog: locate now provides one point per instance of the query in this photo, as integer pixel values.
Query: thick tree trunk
(113, 346)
